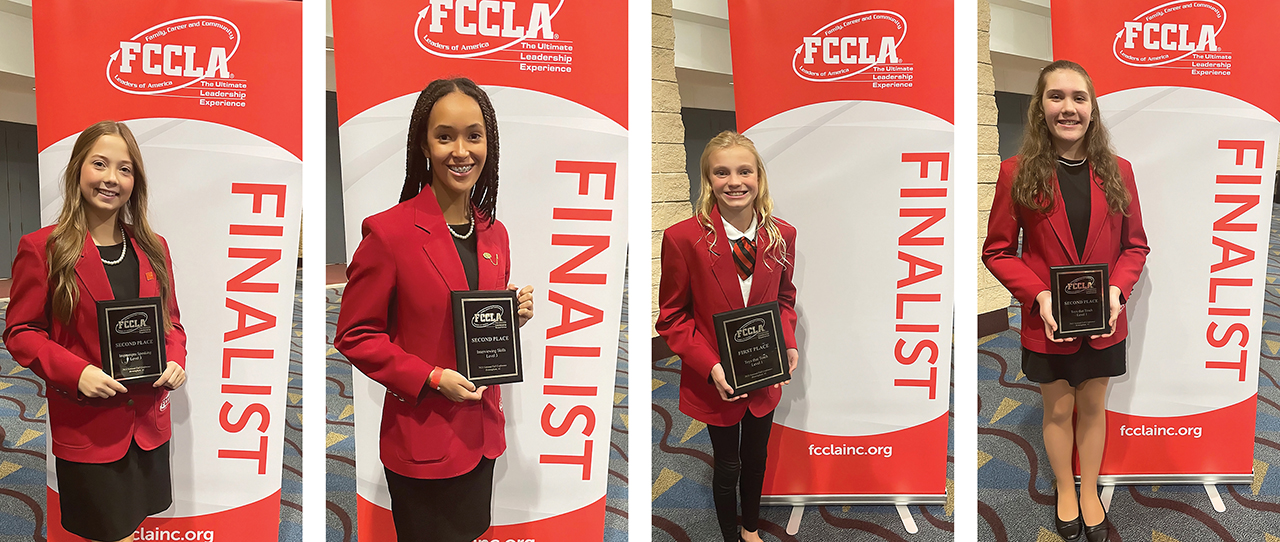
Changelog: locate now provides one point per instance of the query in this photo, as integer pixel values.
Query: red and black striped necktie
(744, 254)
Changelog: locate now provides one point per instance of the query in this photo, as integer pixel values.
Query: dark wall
(1011, 121)
(334, 236)
(19, 189)
(700, 125)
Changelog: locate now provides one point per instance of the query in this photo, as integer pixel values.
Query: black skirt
(1075, 368)
(108, 501)
(455, 509)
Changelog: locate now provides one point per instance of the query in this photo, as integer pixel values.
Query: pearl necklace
(1069, 163)
(471, 221)
(124, 250)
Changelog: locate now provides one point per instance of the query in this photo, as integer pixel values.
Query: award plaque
(1080, 299)
(131, 332)
(486, 332)
(751, 348)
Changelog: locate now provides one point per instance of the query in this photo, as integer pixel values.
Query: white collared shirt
(733, 234)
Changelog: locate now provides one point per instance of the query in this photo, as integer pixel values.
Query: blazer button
(129, 402)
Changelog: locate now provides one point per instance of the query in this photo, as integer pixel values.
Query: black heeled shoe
(1069, 530)
(1098, 533)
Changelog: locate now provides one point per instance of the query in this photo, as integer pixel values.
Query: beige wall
(991, 295)
(670, 197)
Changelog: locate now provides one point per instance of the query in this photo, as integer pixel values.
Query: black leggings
(733, 455)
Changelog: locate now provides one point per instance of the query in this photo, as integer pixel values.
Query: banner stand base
(832, 500)
(1163, 479)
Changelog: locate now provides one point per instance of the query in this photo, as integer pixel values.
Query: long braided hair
(67, 240)
(1037, 159)
(775, 247)
(417, 171)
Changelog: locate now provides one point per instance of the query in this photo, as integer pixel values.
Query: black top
(1074, 182)
(467, 253)
(124, 275)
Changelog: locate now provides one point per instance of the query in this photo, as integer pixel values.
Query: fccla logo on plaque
(1081, 285)
(475, 28)
(753, 329)
(1184, 30)
(133, 323)
(853, 45)
(174, 55)
(490, 316)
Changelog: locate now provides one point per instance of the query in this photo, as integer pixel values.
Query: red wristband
(434, 380)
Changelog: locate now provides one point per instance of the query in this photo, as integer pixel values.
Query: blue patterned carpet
(683, 510)
(22, 446)
(341, 453)
(1015, 505)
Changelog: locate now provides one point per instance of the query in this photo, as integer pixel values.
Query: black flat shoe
(1098, 533)
(1069, 530)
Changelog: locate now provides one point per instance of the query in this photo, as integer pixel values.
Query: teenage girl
(111, 441)
(1074, 202)
(440, 433)
(733, 253)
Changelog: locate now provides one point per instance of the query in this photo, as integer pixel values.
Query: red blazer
(83, 429)
(1114, 239)
(700, 280)
(396, 325)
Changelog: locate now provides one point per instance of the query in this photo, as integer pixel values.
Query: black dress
(108, 501)
(1085, 363)
(457, 509)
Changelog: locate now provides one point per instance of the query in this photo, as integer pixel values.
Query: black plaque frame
(752, 351)
(131, 336)
(1081, 299)
(498, 335)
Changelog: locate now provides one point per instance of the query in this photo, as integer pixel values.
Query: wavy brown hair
(775, 247)
(67, 240)
(417, 170)
(1037, 159)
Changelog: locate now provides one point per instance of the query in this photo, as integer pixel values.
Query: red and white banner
(850, 103)
(1187, 90)
(212, 93)
(556, 74)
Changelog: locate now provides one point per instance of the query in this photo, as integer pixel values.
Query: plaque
(1081, 299)
(131, 333)
(752, 351)
(486, 333)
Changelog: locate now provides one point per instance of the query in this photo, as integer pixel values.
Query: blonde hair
(67, 240)
(775, 246)
(1037, 158)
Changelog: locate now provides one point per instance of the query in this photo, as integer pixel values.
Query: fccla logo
(1080, 285)
(490, 316)
(753, 329)
(472, 28)
(133, 323)
(173, 55)
(1170, 32)
(850, 45)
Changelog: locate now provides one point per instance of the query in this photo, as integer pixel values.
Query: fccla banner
(1187, 89)
(850, 104)
(556, 74)
(213, 95)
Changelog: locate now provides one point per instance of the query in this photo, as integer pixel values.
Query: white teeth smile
(461, 169)
(108, 193)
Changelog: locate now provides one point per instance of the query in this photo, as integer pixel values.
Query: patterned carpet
(1014, 505)
(682, 506)
(341, 453)
(22, 441)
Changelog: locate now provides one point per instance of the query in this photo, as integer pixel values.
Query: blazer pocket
(70, 425)
(426, 433)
